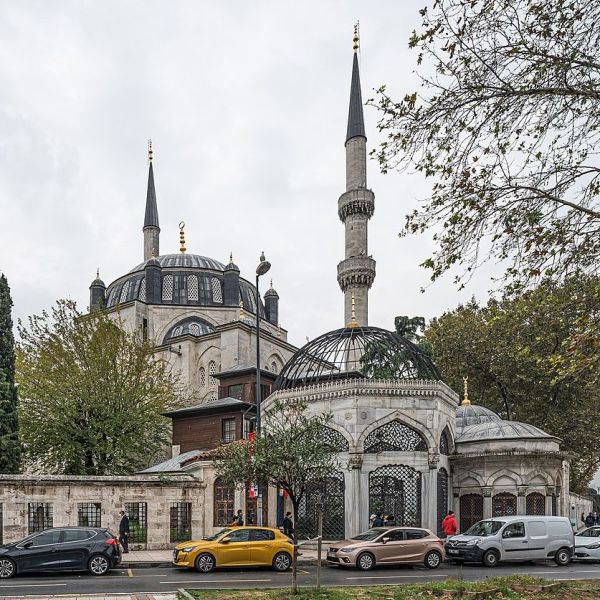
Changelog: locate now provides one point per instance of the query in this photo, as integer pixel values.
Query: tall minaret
(151, 228)
(355, 207)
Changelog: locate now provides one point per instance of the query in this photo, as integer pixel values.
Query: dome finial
(231, 258)
(242, 316)
(356, 38)
(149, 151)
(271, 285)
(98, 273)
(182, 237)
(466, 401)
(353, 321)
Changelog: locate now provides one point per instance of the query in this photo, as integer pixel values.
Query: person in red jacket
(449, 524)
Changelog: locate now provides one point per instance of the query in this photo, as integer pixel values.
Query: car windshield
(217, 535)
(592, 532)
(371, 534)
(485, 528)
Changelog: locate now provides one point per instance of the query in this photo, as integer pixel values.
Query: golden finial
(182, 237)
(356, 38)
(231, 258)
(353, 321)
(466, 401)
(242, 316)
(149, 151)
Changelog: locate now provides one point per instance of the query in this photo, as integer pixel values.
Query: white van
(514, 538)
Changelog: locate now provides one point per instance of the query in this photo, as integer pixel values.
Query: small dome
(355, 353)
(98, 283)
(185, 261)
(501, 430)
(271, 292)
(231, 266)
(191, 326)
(472, 414)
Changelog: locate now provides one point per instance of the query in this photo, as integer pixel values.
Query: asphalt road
(168, 580)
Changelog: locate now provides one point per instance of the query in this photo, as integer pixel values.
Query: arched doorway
(471, 510)
(396, 490)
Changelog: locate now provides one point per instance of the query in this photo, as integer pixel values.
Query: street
(167, 579)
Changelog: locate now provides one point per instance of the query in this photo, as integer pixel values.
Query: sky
(246, 104)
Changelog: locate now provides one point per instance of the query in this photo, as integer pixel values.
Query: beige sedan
(388, 546)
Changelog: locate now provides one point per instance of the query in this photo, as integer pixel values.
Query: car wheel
(490, 558)
(562, 557)
(433, 559)
(365, 561)
(282, 561)
(98, 565)
(8, 568)
(205, 563)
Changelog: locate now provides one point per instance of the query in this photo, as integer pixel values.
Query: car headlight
(347, 549)
(473, 542)
(594, 546)
(187, 549)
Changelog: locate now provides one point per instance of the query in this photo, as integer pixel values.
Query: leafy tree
(10, 447)
(511, 348)
(291, 453)
(98, 390)
(507, 125)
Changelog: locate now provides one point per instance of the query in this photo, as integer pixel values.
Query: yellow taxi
(236, 547)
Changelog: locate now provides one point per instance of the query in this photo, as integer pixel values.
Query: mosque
(407, 444)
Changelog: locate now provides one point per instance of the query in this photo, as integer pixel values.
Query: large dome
(356, 353)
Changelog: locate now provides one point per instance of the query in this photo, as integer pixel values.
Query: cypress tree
(10, 447)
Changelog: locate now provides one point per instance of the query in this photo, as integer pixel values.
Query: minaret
(356, 272)
(151, 228)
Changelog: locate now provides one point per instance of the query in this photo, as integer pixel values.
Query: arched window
(394, 437)
(212, 369)
(224, 497)
(442, 498)
(167, 287)
(192, 288)
(142, 295)
(217, 291)
(445, 443)
(334, 440)
(471, 510)
(202, 377)
(504, 504)
(535, 504)
(124, 292)
(274, 367)
(177, 331)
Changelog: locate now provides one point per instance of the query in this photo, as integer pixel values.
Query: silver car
(587, 544)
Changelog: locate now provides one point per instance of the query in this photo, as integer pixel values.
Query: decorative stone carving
(356, 271)
(356, 202)
(522, 490)
(433, 457)
(355, 461)
(487, 492)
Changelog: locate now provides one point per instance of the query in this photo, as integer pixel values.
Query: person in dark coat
(378, 520)
(288, 524)
(389, 521)
(124, 532)
(589, 520)
(238, 520)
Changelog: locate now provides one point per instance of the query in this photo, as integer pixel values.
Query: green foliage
(507, 126)
(10, 446)
(512, 349)
(92, 394)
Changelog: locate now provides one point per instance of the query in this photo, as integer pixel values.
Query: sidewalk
(135, 596)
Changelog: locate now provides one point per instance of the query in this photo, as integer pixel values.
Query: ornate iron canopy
(356, 353)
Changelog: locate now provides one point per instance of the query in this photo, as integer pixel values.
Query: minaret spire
(151, 227)
(356, 272)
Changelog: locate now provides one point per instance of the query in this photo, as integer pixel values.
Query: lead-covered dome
(356, 353)
(472, 414)
(502, 430)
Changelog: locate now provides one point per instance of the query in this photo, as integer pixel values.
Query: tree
(507, 125)
(511, 348)
(10, 447)
(291, 453)
(98, 390)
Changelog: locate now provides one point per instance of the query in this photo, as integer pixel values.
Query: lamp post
(262, 268)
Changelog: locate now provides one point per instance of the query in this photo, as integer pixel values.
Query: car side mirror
(385, 540)
(225, 540)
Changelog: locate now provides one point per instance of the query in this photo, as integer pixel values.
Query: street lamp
(262, 268)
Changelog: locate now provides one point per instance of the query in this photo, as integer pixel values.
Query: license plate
(452, 551)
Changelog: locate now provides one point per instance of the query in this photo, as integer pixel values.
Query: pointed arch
(405, 420)
(497, 475)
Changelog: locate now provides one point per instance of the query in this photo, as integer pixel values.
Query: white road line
(211, 581)
(28, 585)
(396, 576)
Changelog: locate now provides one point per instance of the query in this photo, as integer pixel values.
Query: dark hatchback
(61, 549)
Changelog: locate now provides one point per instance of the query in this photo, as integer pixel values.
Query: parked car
(236, 547)
(516, 538)
(388, 546)
(587, 544)
(61, 549)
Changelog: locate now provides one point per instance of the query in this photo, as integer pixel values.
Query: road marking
(27, 585)
(395, 576)
(130, 572)
(210, 581)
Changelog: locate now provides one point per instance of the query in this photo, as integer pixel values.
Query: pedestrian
(378, 520)
(288, 524)
(595, 518)
(449, 524)
(124, 531)
(371, 520)
(389, 521)
(238, 520)
(589, 520)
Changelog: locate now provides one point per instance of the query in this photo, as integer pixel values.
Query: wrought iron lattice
(396, 490)
(471, 510)
(355, 353)
(444, 444)
(138, 522)
(442, 498)
(535, 504)
(334, 440)
(180, 521)
(224, 497)
(554, 505)
(40, 516)
(330, 492)
(1, 525)
(504, 505)
(395, 437)
(89, 514)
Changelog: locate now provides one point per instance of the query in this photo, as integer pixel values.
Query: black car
(62, 549)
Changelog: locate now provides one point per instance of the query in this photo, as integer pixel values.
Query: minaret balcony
(356, 202)
(356, 271)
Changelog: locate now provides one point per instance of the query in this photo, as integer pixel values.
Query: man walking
(288, 524)
(589, 520)
(449, 524)
(124, 532)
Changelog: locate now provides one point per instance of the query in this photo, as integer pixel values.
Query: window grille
(554, 505)
(195, 329)
(444, 445)
(40, 516)
(217, 291)
(535, 504)
(396, 490)
(202, 377)
(192, 288)
(138, 522)
(142, 295)
(167, 288)
(274, 367)
(180, 521)
(330, 492)
(228, 430)
(504, 505)
(89, 514)
(224, 497)
(177, 331)
(394, 436)
(334, 440)
(212, 369)
(471, 510)
(442, 498)
(124, 292)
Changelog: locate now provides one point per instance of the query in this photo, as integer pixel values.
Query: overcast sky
(246, 104)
